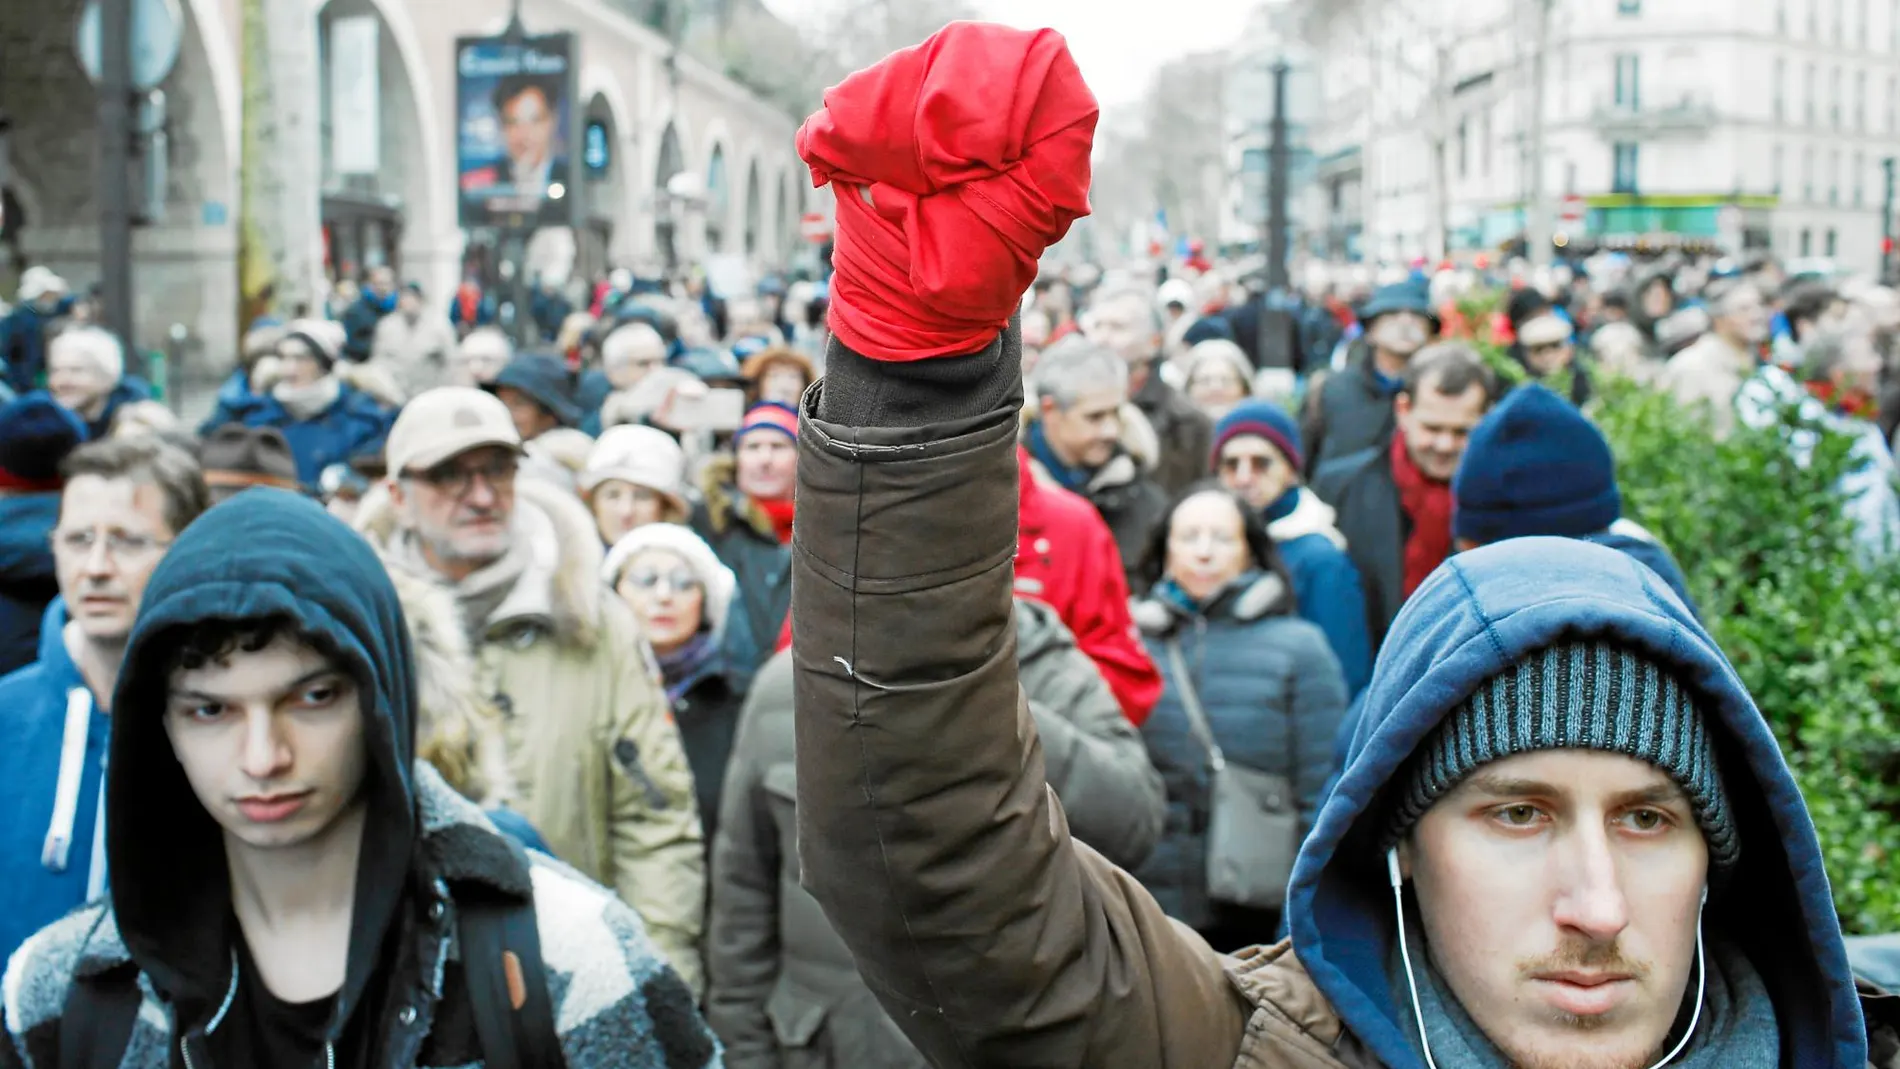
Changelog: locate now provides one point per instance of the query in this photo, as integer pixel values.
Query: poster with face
(514, 105)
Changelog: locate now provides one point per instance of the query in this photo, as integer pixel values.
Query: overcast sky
(1118, 43)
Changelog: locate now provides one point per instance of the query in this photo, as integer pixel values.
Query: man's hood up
(263, 554)
(1475, 616)
(26, 557)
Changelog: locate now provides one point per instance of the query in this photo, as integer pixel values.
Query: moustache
(1584, 956)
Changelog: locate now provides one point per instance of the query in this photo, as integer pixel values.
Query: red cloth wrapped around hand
(956, 163)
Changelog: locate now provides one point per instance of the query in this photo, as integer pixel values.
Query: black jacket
(1354, 413)
(1185, 433)
(1361, 488)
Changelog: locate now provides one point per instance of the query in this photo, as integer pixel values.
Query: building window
(1860, 101)
(1781, 82)
(1484, 144)
(1629, 7)
(1777, 170)
(1464, 148)
(1814, 19)
(1838, 20)
(1834, 177)
(1862, 37)
(1807, 177)
(1860, 179)
(1834, 98)
(1807, 242)
(1628, 79)
(1624, 178)
(1832, 243)
(1810, 90)
(1893, 90)
(1781, 16)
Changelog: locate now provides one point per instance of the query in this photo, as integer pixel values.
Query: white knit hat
(643, 456)
(714, 577)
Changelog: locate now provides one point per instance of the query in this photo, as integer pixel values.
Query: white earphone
(1411, 981)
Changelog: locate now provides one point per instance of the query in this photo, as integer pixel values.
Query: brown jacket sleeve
(927, 830)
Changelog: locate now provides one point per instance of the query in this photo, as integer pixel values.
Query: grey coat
(1354, 413)
(785, 992)
(1365, 497)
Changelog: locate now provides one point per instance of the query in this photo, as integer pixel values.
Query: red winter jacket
(1066, 559)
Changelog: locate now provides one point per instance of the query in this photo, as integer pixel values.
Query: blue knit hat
(36, 433)
(1577, 695)
(1534, 466)
(1208, 328)
(1265, 419)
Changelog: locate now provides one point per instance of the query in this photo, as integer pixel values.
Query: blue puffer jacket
(27, 580)
(23, 343)
(1274, 695)
(355, 424)
(35, 888)
(1325, 581)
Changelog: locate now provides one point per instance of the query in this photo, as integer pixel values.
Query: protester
(1222, 624)
(1546, 348)
(366, 313)
(1125, 322)
(1536, 466)
(123, 504)
(773, 957)
(414, 343)
(44, 297)
(634, 476)
(1620, 349)
(286, 880)
(682, 596)
(1712, 370)
(1655, 301)
(35, 437)
(235, 458)
(480, 357)
(1841, 371)
(1355, 408)
(746, 517)
(549, 308)
(599, 764)
(1218, 377)
(538, 393)
(1395, 501)
(1564, 868)
(777, 373)
(85, 372)
(470, 308)
(1083, 436)
(1258, 455)
(1066, 558)
(325, 420)
(149, 417)
(629, 355)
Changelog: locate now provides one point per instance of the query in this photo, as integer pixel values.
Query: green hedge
(1813, 632)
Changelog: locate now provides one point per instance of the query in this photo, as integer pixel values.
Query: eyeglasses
(678, 581)
(456, 480)
(119, 545)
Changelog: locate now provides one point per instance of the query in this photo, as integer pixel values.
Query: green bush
(1811, 629)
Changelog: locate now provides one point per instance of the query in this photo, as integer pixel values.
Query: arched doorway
(754, 210)
(787, 219)
(602, 187)
(718, 201)
(374, 182)
(672, 161)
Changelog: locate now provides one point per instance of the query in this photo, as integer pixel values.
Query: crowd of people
(625, 692)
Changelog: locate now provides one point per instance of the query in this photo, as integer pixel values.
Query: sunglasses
(679, 580)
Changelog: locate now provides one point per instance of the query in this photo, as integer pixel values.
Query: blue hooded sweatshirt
(27, 580)
(1477, 615)
(38, 885)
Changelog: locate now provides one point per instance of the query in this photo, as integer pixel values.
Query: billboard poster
(515, 130)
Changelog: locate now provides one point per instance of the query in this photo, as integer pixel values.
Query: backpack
(507, 989)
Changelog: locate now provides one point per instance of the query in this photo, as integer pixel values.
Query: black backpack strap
(96, 1023)
(508, 986)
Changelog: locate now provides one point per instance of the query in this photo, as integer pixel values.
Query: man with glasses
(601, 770)
(123, 503)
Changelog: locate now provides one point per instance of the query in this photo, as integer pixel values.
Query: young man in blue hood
(1560, 792)
(290, 888)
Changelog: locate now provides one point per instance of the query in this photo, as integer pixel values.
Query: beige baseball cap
(446, 422)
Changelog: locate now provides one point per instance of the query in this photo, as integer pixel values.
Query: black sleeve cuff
(862, 392)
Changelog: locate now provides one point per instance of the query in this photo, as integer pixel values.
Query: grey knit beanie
(1575, 695)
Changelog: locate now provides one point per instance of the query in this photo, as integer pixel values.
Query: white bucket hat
(715, 578)
(643, 456)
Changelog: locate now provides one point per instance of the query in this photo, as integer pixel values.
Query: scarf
(1428, 504)
(1737, 1029)
(685, 666)
(780, 513)
(1070, 478)
(1169, 593)
(517, 586)
(308, 402)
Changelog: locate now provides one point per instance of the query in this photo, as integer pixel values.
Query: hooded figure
(274, 564)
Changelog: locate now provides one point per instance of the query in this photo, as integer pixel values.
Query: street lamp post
(115, 167)
(1275, 344)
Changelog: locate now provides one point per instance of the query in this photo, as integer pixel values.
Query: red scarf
(780, 513)
(1428, 504)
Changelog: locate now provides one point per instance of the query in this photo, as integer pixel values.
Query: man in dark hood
(1564, 835)
(286, 880)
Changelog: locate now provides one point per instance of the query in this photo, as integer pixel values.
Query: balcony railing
(1626, 122)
